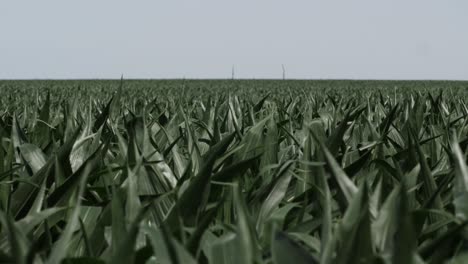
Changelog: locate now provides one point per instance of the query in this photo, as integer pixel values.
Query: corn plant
(233, 171)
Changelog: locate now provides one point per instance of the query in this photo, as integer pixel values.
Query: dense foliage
(233, 172)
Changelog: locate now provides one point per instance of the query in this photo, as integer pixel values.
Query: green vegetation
(233, 172)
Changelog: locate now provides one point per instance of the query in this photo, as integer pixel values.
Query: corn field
(253, 171)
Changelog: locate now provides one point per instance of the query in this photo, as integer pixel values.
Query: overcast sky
(359, 39)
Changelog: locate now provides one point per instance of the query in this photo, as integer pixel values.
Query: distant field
(233, 171)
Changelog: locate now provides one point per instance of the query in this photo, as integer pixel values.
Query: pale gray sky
(361, 39)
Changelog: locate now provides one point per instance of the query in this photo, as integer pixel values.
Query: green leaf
(347, 187)
(405, 239)
(167, 250)
(245, 236)
(34, 157)
(285, 250)
(190, 202)
(460, 188)
(18, 243)
(276, 194)
(60, 248)
(83, 260)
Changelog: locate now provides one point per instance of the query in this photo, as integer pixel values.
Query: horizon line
(228, 79)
